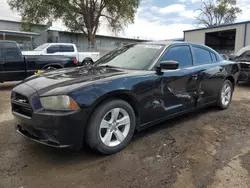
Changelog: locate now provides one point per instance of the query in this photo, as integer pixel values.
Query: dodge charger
(129, 89)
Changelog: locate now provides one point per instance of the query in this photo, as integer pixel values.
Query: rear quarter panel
(93, 55)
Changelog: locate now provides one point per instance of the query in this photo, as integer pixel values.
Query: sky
(155, 19)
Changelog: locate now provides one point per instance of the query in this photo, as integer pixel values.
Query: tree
(217, 12)
(78, 15)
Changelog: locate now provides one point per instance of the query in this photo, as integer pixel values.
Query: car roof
(167, 43)
(60, 43)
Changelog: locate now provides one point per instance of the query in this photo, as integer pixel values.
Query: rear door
(53, 50)
(14, 62)
(68, 50)
(209, 74)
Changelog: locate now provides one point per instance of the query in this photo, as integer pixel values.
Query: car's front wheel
(111, 127)
(225, 96)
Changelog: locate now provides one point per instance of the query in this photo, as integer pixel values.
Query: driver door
(179, 87)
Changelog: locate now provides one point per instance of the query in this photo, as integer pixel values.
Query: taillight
(75, 61)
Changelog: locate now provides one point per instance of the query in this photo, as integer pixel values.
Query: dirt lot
(209, 148)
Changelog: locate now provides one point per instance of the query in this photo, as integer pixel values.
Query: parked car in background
(130, 88)
(243, 59)
(66, 49)
(14, 66)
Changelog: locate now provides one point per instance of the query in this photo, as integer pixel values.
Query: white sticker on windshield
(153, 46)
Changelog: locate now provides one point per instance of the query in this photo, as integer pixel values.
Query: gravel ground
(208, 148)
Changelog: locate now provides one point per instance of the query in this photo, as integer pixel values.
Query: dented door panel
(179, 91)
(173, 92)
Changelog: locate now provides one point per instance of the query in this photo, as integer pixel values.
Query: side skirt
(149, 124)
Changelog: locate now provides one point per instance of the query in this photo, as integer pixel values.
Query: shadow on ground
(86, 155)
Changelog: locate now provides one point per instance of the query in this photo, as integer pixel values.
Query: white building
(226, 39)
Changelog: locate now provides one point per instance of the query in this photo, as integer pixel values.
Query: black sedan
(130, 88)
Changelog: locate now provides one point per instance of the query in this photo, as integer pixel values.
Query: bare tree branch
(217, 12)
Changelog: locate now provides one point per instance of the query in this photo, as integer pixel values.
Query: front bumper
(45, 139)
(58, 129)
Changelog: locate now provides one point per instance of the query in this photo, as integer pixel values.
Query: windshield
(133, 56)
(40, 48)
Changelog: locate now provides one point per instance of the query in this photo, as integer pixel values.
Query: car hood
(65, 80)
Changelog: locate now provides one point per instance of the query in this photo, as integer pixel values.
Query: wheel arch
(55, 65)
(87, 59)
(122, 95)
(231, 79)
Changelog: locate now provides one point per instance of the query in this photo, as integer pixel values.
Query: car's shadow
(68, 156)
(62, 156)
(175, 121)
(7, 86)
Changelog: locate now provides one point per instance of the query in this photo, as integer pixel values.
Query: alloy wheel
(226, 94)
(114, 127)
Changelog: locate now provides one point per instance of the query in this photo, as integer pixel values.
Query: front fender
(92, 96)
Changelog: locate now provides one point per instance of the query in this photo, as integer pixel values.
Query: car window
(214, 59)
(67, 48)
(11, 50)
(181, 54)
(53, 49)
(132, 56)
(202, 56)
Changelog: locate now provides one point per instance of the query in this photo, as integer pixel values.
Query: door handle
(194, 76)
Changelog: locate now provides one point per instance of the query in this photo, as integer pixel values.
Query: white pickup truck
(67, 49)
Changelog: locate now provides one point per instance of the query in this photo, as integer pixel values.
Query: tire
(224, 99)
(98, 138)
(50, 68)
(87, 62)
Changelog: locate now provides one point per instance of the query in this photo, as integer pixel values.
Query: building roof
(106, 36)
(175, 39)
(224, 25)
(18, 22)
(19, 33)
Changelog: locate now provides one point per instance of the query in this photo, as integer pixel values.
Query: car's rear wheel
(111, 127)
(225, 96)
(87, 62)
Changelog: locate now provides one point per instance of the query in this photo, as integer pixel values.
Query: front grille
(20, 104)
(18, 97)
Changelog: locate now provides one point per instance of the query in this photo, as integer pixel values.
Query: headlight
(61, 102)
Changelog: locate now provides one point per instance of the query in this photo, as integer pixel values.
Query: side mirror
(169, 65)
